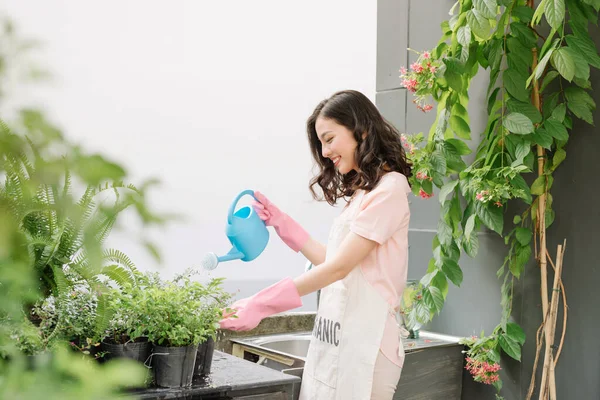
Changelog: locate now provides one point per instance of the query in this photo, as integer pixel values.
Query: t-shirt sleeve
(382, 211)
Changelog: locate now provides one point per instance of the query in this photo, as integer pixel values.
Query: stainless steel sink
(284, 352)
(295, 346)
(287, 351)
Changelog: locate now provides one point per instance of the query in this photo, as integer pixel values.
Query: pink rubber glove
(288, 230)
(279, 297)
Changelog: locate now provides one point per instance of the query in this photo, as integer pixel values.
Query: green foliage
(180, 312)
(56, 226)
(502, 38)
(50, 244)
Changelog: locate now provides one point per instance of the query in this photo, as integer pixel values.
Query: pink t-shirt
(383, 217)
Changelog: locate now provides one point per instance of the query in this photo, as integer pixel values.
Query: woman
(356, 350)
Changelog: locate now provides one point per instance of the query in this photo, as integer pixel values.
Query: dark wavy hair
(379, 152)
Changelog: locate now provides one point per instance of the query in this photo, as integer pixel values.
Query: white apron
(348, 330)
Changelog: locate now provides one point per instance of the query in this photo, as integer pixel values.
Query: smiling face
(337, 143)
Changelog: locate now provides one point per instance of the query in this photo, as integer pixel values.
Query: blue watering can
(245, 230)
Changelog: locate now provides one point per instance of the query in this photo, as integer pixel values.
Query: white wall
(210, 97)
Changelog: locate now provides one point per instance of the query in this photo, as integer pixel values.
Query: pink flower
(410, 84)
(481, 195)
(427, 107)
(482, 371)
(421, 175)
(424, 195)
(418, 68)
(403, 71)
(498, 204)
(426, 55)
(432, 69)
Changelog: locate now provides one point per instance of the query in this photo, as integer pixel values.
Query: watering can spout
(233, 254)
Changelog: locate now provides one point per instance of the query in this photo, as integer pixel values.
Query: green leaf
(526, 109)
(471, 245)
(440, 282)
(559, 113)
(438, 162)
(518, 123)
(539, 185)
(539, 69)
(519, 183)
(495, 53)
(479, 24)
(470, 225)
(516, 219)
(452, 271)
(510, 347)
(523, 235)
(515, 85)
(582, 68)
(550, 103)
(95, 169)
(564, 64)
(559, 157)
(586, 48)
(464, 35)
(460, 127)
(434, 298)
(515, 332)
(454, 80)
(555, 13)
(521, 152)
(522, 256)
(523, 13)
(524, 34)
(550, 76)
(491, 216)
(487, 8)
(556, 129)
(460, 146)
(444, 232)
(580, 103)
(593, 3)
(543, 138)
(519, 51)
(446, 189)
(492, 100)
(459, 110)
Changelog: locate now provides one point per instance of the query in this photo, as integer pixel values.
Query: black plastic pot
(204, 357)
(174, 366)
(138, 350)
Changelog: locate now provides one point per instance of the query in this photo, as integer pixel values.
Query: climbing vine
(538, 59)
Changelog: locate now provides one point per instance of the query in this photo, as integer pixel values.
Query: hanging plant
(538, 85)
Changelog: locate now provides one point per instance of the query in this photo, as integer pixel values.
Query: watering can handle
(235, 201)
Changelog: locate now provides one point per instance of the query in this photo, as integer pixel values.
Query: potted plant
(126, 333)
(76, 318)
(181, 315)
(213, 300)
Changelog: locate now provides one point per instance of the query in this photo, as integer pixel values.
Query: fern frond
(118, 274)
(119, 257)
(62, 283)
(67, 185)
(104, 314)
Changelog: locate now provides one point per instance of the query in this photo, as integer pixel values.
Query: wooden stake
(553, 316)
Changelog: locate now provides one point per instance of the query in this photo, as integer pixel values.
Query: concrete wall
(415, 24)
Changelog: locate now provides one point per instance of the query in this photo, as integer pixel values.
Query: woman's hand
(288, 230)
(282, 296)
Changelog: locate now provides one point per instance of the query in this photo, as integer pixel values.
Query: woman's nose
(326, 152)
